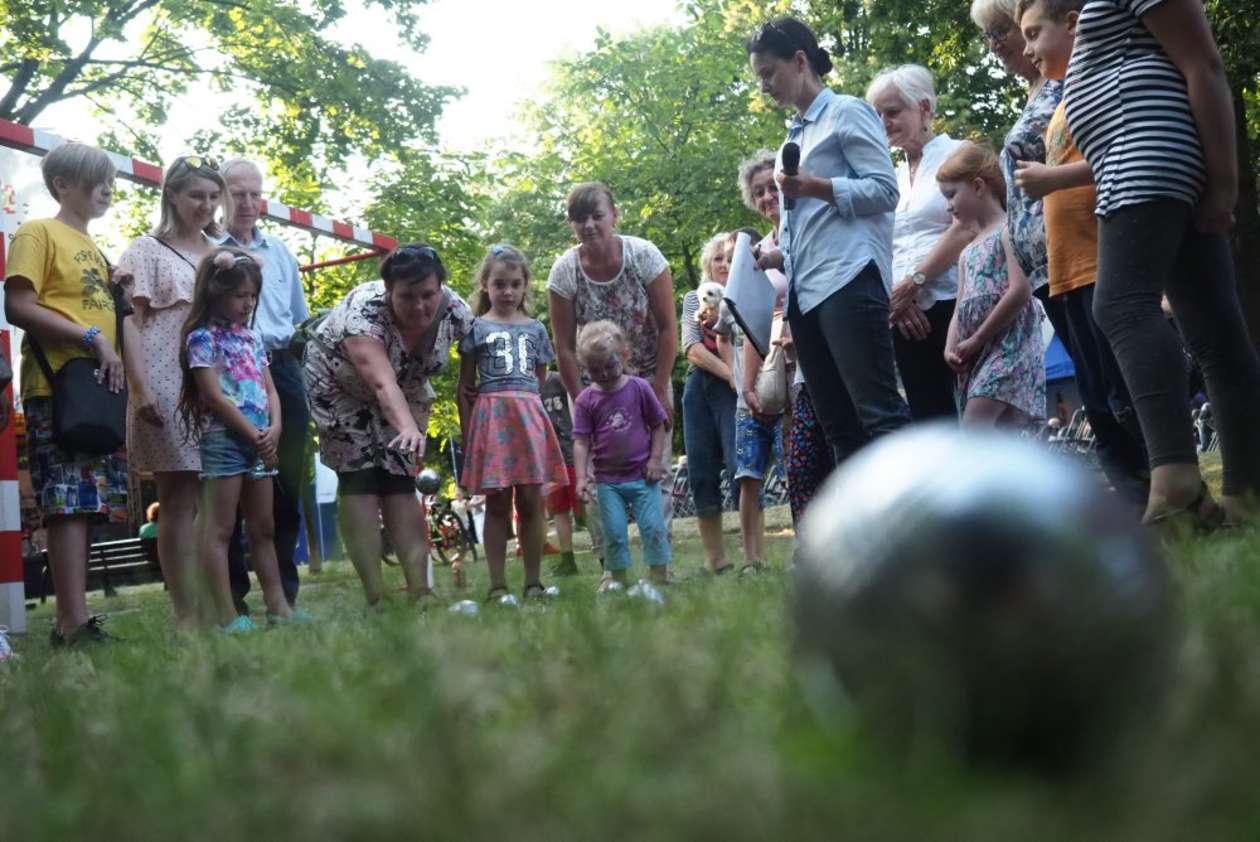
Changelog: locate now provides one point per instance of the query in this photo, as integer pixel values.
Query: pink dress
(165, 280)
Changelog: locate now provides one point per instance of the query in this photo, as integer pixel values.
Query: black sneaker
(91, 632)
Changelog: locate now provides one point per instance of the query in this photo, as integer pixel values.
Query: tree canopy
(302, 99)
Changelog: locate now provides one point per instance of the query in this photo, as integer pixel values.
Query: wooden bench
(129, 561)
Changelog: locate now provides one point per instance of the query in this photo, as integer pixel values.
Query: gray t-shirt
(508, 355)
(555, 400)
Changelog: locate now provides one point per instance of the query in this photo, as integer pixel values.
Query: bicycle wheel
(453, 543)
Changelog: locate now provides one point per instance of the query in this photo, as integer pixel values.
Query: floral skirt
(511, 442)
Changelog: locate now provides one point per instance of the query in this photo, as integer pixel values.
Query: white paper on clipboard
(750, 296)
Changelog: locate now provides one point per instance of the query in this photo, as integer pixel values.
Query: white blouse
(922, 219)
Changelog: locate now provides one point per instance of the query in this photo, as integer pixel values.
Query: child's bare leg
(564, 531)
(752, 520)
(217, 517)
(498, 511)
(67, 560)
(983, 413)
(260, 525)
(358, 518)
(408, 533)
(533, 525)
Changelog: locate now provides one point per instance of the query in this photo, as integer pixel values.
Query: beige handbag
(771, 387)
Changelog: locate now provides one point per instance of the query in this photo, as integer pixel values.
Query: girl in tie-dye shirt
(229, 402)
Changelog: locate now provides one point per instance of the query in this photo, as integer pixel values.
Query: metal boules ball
(466, 607)
(976, 592)
(428, 481)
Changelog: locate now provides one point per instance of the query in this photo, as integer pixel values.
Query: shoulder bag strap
(176, 252)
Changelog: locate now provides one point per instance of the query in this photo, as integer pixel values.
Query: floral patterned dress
(353, 432)
(1026, 141)
(1011, 368)
(623, 300)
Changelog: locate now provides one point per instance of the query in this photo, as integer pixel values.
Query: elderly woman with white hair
(708, 406)
(927, 241)
(1025, 141)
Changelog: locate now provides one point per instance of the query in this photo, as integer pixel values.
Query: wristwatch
(918, 279)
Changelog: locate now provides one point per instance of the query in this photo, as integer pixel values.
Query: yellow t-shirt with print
(70, 276)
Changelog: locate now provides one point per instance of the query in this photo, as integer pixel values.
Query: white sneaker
(6, 651)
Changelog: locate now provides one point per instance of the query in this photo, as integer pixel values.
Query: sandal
(752, 568)
(718, 571)
(1203, 515)
(495, 593)
(535, 591)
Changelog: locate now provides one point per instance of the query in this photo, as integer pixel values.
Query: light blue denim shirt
(826, 244)
(282, 303)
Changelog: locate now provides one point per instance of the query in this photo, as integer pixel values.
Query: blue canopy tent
(1058, 363)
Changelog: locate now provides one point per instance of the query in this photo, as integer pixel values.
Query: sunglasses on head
(198, 162)
(408, 254)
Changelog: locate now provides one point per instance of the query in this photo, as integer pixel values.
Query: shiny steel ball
(976, 591)
(428, 481)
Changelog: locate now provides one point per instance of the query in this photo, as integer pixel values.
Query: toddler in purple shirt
(619, 437)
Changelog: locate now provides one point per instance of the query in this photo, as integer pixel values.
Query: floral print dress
(1026, 141)
(353, 432)
(1011, 368)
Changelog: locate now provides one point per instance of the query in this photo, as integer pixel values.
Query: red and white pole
(12, 588)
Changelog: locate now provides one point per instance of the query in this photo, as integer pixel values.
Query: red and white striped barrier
(12, 591)
(40, 142)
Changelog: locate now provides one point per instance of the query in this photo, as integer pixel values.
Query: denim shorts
(228, 454)
(755, 444)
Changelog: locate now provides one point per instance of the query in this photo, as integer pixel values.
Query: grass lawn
(588, 718)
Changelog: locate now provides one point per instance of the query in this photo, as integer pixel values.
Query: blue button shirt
(826, 244)
(282, 303)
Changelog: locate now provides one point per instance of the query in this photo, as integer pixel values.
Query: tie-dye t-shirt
(237, 354)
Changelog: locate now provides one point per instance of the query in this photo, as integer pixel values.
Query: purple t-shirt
(619, 426)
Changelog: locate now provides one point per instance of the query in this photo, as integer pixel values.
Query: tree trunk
(689, 263)
(1246, 239)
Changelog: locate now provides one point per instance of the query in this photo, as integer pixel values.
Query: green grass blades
(583, 718)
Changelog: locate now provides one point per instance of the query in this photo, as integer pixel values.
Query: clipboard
(750, 296)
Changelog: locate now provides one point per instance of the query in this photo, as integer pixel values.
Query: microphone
(791, 163)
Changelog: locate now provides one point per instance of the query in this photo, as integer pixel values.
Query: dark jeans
(844, 346)
(1153, 247)
(286, 372)
(1117, 434)
(709, 437)
(928, 379)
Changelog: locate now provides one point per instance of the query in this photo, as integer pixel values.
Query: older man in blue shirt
(835, 240)
(281, 306)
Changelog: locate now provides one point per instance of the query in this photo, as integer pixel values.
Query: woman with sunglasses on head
(835, 239)
(367, 372)
(164, 264)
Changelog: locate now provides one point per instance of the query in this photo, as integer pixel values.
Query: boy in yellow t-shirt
(57, 290)
(1067, 183)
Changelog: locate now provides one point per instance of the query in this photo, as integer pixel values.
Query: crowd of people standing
(902, 294)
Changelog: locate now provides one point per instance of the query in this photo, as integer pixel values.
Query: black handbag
(87, 417)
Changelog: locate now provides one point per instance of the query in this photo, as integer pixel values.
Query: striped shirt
(1128, 108)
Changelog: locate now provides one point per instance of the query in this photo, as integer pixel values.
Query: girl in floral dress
(512, 449)
(994, 342)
